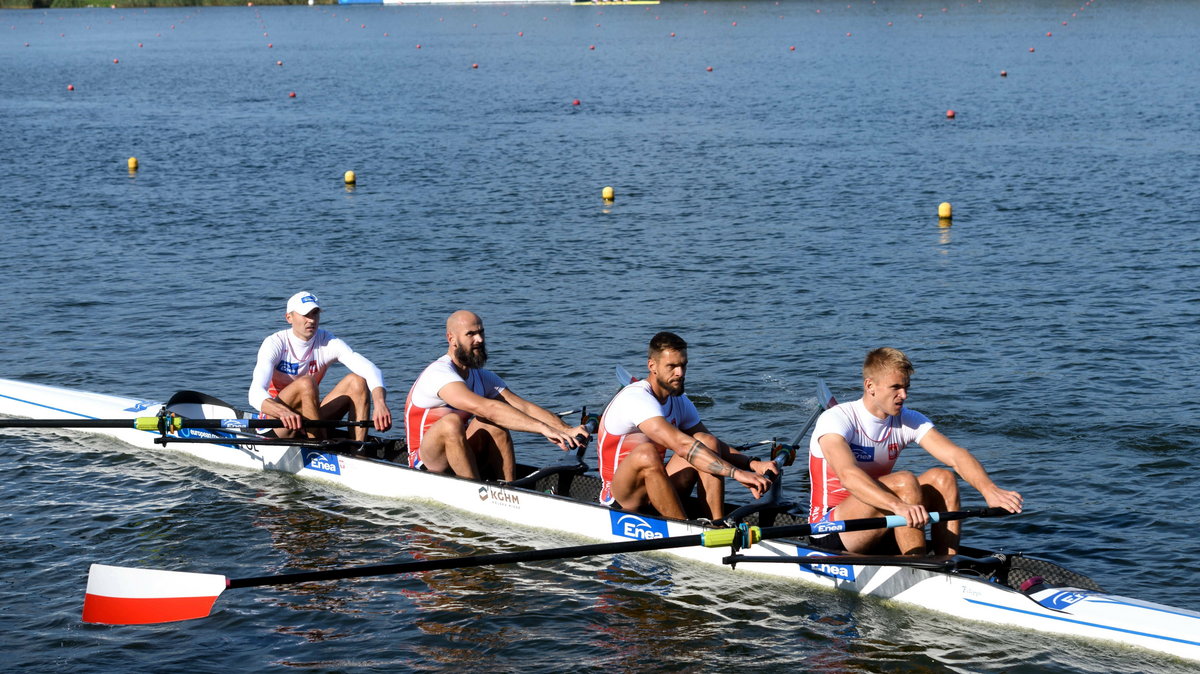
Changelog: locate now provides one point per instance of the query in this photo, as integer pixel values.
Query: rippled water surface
(778, 211)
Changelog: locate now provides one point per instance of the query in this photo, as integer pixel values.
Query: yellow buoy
(350, 178)
(944, 210)
(607, 193)
(133, 164)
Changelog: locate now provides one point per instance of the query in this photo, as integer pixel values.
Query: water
(779, 212)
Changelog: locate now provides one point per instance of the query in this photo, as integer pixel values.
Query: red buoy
(291, 94)
(949, 114)
(575, 102)
(70, 87)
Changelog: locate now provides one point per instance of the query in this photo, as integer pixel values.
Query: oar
(129, 596)
(825, 400)
(172, 423)
(623, 376)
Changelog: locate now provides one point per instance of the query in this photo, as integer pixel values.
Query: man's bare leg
(493, 447)
(301, 397)
(939, 490)
(709, 488)
(349, 397)
(641, 480)
(444, 448)
(910, 540)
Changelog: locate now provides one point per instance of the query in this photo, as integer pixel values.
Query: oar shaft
(472, 561)
(66, 423)
(790, 531)
(174, 423)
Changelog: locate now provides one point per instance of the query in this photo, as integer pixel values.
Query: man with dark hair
(854, 447)
(458, 415)
(651, 416)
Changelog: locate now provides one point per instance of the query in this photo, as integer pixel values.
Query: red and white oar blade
(118, 595)
(623, 376)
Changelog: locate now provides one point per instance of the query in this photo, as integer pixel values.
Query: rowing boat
(977, 585)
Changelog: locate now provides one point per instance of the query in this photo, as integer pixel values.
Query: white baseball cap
(303, 303)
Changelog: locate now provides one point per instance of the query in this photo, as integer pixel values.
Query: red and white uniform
(619, 432)
(283, 358)
(875, 442)
(425, 406)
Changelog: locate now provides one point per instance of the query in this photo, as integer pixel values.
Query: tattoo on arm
(696, 447)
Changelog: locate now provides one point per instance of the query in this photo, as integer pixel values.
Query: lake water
(778, 211)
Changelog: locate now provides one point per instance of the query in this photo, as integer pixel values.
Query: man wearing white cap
(291, 364)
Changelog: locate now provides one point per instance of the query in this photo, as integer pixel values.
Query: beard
(673, 389)
(473, 359)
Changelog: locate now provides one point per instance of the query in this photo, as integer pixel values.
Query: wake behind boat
(985, 586)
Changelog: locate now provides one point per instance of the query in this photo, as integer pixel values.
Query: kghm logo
(500, 496)
(320, 461)
(635, 526)
(838, 571)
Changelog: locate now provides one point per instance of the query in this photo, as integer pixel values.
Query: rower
(291, 364)
(854, 448)
(651, 416)
(458, 415)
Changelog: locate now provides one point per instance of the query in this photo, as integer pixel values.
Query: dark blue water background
(779, 212)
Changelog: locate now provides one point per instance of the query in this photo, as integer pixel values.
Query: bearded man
(458, 415)
(649, 417)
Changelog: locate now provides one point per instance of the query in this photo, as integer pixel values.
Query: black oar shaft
(474, 560)
(790, 531)
(66, 423)
(180, 423)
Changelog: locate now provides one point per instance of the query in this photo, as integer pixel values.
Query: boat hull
(1074, 607)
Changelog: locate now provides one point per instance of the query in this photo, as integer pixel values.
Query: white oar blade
(824, 395)
(118, 595)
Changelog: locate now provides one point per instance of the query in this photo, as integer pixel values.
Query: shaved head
(460, 318)
(464, 334)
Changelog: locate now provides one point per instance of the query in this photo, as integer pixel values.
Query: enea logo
(326, 463)
(634, 526)
(1063, 600)
(828, 527)
(308, 299)
(288, 368)
(862, 453)
(837, 571)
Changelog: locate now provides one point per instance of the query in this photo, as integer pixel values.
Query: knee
(941, 479)
(356, 384)
(305, 383)
(450, 423)
(906, 486)
(644, 456)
